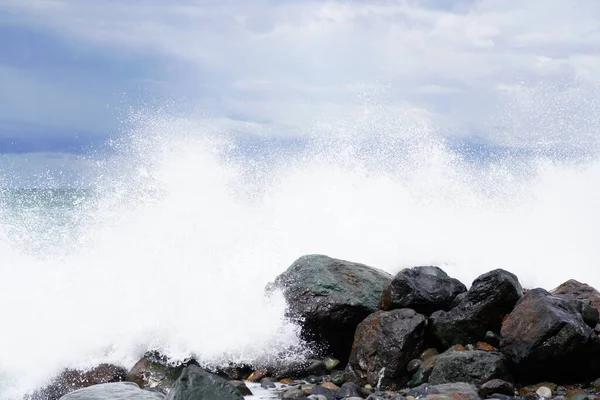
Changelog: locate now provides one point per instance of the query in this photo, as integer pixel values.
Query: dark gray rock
(490, 298)
(424, 289)
(588, 312)
(329, 394)
(113, 391)
(546, 338)
(267, 383)
(384, 344)
(496, 386)
(241, 386)
(414, 365)
(328, 298)
(348, 389)
(422, 390)
(154, 371)
(421, 375)
(195, 383)
(580, 291)
(470, 366)
(299, 369)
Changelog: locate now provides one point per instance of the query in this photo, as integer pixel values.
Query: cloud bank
(522, 74)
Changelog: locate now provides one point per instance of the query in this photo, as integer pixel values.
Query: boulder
(384, 344)
(546, 338)
(195, 383)
(490, 298)
(470, 366)
(580, 291)
(424, 289)
(70, 380)
(328, 298)
(154, 371)
(113, 391)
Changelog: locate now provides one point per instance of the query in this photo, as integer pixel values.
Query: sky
(503, 73)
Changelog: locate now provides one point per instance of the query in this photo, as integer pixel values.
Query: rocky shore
(417, 335)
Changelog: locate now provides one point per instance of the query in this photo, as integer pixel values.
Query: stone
(331, 363)
(155, 372)
(496, 386)
(456, 390)
(328, 298)
(292, 393)
(490, 298)
(267, 383)
(414, 365)
(299, 369)
(195, 383)
(384, 344)
(329, 394)
(544, 392)
(424, 289)
(338, 377)
(422, 374)
(348, 389)
(580, 291)
(71, 380)
(545, 337)
(470, 366)
(257, 375)
(241, 386)
(113, 391)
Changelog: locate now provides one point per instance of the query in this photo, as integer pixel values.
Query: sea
(167, 241)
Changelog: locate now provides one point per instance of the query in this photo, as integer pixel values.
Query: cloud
(288, 65)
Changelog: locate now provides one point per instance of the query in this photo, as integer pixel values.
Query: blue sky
(520, 74)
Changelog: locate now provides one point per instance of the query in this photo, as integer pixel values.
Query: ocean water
(172, 241)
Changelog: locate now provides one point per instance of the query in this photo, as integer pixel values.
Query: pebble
(544, 391)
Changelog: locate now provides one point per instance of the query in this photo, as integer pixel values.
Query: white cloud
(292, 63)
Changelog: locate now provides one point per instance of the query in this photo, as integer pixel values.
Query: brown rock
(485, 347)
(257, 375)
(330, 385)
(580, 291)
(71, 380)
(384, 343)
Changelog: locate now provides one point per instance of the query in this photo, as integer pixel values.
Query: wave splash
(172, 248)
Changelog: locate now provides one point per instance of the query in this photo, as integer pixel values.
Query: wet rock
(111, 391)
(338, 377)
(314, 379)
(414, 365)
(384, 344)
(424, 289)
(71, 380)
(490, 298)
(422, 374)
(330, 386)
(348, 389)
(257, 375)
(428, 353)
(328, 298)
(293, 393)
(545, 337)
(580, 291)
(496, 386)
(422, 391)
(241, 386)
(155, 372)
(329, 394)
(471, 366)
(331, 363)
(195, 383)
(300, 369)
(267, 383)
